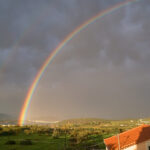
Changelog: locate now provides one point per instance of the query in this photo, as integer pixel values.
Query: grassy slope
(40, 142)
(107, 128)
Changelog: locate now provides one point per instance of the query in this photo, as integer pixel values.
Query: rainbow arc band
(53, 54)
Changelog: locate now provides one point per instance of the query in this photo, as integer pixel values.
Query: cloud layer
(102, 72)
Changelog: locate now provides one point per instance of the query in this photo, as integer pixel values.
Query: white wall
(133, 147)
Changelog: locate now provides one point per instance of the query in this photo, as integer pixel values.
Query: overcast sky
(104, 71)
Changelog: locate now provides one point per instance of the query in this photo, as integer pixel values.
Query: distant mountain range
(79, 121)
(44, 118)
(89, 121)
(8, 119)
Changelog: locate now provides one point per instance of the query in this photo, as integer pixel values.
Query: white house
(135, 139)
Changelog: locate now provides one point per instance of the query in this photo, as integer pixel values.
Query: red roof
(128, 138)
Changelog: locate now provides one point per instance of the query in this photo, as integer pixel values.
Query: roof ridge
(134, 135)
(146, 125)
(143, 125)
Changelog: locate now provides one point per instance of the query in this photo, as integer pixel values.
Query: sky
(103, 72)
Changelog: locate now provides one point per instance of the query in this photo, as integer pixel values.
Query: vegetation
(11, 142)
(26, 142)
(83, 134)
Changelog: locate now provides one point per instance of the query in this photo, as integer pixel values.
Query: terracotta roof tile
(128, 138)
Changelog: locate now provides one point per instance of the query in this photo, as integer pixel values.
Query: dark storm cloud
(29, 31)
(104, 71)
(117, 43)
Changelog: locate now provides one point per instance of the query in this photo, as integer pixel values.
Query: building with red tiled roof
(135, 139)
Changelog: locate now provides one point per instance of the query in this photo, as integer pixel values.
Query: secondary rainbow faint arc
(57, 49)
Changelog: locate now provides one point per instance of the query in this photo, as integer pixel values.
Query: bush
(27, 132)
(1, 128)
(26, 142)
(7, 133)
(56, 134)
(11, 142)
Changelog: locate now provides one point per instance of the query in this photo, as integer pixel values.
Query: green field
(39, 142)
(16, 138)
(73, 134)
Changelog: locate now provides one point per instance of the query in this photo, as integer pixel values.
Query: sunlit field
(83, 134)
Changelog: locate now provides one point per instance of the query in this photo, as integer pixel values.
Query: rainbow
(52, 55)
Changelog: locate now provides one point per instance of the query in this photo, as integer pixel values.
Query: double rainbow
(52, 55)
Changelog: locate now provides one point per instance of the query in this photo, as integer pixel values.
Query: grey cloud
(104, 74)
(100, 70)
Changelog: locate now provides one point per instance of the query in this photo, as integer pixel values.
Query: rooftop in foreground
(128, 138)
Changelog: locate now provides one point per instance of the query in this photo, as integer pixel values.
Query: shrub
(11, 142)
(1, 128)
(7, 133)
(26, 142)
(27, 132)
(56, 134)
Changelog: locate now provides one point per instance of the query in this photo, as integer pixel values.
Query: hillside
(84, 121)
(102, 123)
